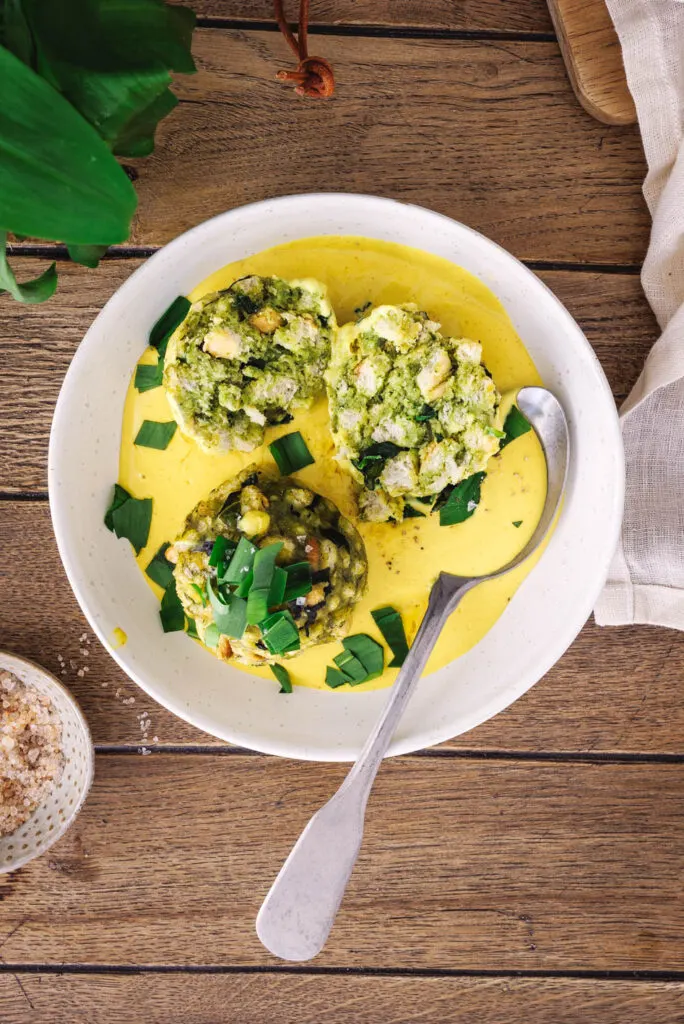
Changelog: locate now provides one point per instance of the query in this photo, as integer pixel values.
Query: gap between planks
(540, 757)
(387, 32)
(646, 977)
(122, 252)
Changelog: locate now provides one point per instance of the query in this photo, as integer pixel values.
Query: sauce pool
(403, 559)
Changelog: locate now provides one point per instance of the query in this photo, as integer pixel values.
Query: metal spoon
(298, 913)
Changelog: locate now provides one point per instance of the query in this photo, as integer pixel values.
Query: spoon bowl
(299, 911)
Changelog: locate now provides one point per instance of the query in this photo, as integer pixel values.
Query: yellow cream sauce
(404, 559)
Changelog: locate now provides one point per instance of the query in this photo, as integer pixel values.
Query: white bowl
(539, 624)
(54, 816)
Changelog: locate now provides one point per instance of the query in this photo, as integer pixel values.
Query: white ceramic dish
(537, 627)
(54, 816)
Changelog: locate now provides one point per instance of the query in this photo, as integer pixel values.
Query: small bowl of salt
(46, 760)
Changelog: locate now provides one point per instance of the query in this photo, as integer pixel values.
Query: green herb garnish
(171, 610)
(298, 582)
(368, 652)
(283, 677)
(241, 562)
(291, 453)
(200, 593)
(222, 547)
(350, 667)
(167, 324)
(280, 633)
(425, 414)
(230, 617)
(410, 512)
(191, 628)
(515, 425)
(155, 435)
(334, 678)
(212, 635)
(518, 523)
(129, 517)
(263, 571)
(159, 569)
(371, 461)
(243, 588)
(276, 594)
(388, 620)
(462, 501)
(148, 376)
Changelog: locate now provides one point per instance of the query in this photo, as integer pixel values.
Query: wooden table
(529, 871)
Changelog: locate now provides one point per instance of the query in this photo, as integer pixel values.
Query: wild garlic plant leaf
(38, 290)
(15, 33)
(112, 61)
(58, 179)
(87, 255)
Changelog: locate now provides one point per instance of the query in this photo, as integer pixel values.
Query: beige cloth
(646, 580)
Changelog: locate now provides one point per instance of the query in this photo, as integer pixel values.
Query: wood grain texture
(614, 690)
(487, 132)
(444, 15)
(465, 865)
(38, 342)
(312, 999)
(592, 55)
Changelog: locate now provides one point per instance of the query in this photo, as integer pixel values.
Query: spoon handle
(296, 917)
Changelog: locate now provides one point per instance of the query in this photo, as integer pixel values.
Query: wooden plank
(592, 55)
(38, 342)
(487, 132)
(466, 865)
(444, 15)
(612, 691)
(315, 999)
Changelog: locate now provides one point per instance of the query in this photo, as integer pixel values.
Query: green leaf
(518, 523)
(171, 610)
(212, 635)
(371, 461)
(129, 517)
(112, 61)
(14, 31)
(231, 617)
(191, 628)
(334, 678)
(244, 587)
(159, 569)
(263, 573)
(412, 513)
(222, 547)
(350, 667)
(155, 435)
(200, 593)
(369, 653)
(299, 581)
(283, 677)
(58, 180)
(32, 292)
(388, 620)
(462, 501)
(276, 594)
(87, 255)
(167, 324)
(280, 633)
(425, 414)
(148, 376)
(241, 562)
(136, 138)
(291, 453)
(515, 425)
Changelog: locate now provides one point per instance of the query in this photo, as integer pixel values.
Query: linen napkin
(646, 580)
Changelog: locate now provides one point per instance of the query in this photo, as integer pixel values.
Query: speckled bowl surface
(538, 625)
(53, 817)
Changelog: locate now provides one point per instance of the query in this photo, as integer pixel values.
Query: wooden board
(496, 140)
(437, 15)
(465, 866)
(612, 692)
(592, 54)
(316, 999)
